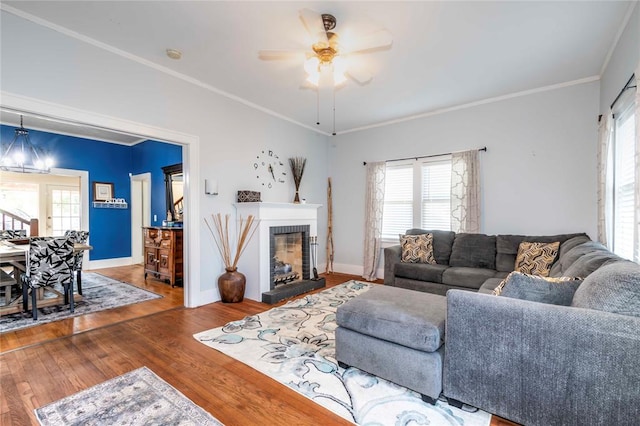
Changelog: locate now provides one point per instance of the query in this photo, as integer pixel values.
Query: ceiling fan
(327, 54)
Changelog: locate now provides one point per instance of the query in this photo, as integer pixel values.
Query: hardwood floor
(41, 364)
(173, 298)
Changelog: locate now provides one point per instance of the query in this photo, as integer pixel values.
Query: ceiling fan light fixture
(339, 78)
(312, 65)
(314, 79)
(339, 69)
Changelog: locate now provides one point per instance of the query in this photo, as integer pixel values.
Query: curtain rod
(484, 148)
(624, 89)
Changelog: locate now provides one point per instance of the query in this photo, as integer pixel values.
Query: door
(63, 209)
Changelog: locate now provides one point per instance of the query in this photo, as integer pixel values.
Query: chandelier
(22, 157)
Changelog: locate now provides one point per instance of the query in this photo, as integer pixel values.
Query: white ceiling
(444, 54)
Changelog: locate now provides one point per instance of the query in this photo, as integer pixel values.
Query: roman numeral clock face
(270, 169)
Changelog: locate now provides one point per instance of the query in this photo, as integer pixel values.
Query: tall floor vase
(231, 285)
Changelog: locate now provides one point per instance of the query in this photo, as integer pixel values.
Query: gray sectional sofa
(463, 261)
(533, 363)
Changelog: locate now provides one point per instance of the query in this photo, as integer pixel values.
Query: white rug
(294, 344)
(138, 397)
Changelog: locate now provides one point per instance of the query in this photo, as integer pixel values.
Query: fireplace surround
(258, 262)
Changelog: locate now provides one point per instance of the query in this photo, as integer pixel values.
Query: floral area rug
(139, 397)
(98, 294)
(295, 345)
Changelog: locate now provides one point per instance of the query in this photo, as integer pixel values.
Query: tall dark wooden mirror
(174, 184)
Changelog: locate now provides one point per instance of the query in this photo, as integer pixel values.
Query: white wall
(538, 175)
(623, 62)
(52, 67)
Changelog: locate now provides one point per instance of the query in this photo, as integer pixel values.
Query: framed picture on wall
(102, 191)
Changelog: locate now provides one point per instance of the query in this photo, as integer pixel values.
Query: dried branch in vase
(220, 233)
(297, 169)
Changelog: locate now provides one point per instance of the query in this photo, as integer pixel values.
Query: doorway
(63, 208)
(140, 213)
(194, 294)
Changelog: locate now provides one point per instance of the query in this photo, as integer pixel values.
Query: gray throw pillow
(474, 251)
(555, 291)
(612, 288)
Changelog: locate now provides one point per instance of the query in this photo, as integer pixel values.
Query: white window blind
(398, 201)
(436, 196)
(624, 183)
(417, 195)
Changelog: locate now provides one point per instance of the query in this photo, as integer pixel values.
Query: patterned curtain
(373, 218)
(604, 196)
(465, 191)
(636, 241)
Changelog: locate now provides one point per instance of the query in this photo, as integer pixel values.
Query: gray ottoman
(396, 334)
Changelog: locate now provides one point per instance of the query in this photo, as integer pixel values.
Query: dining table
(13, 254)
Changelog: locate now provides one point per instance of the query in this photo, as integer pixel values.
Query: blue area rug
(99, 293)
(136, 398)
(295, 345)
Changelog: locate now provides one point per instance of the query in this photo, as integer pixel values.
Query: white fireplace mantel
(255, 261)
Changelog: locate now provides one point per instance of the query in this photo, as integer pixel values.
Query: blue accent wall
(152, 156)
(109, 229)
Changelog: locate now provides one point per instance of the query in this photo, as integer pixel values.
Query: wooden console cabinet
(163, 254)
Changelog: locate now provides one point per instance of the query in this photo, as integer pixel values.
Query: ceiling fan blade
(275, 54)
(360, 75)
(377, 40)
(314, 24)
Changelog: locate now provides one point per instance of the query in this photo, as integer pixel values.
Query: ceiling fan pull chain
(318, 107)
(334, 110)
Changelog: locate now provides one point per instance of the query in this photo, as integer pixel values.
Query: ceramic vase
(231, 285)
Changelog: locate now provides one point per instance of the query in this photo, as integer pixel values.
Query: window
(20, 198)
(417, 195)
(623, 184)
(64, 209)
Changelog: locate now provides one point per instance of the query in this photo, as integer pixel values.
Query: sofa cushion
(612, 288)
(556, 269)
(507, 246)
(417, 248)
(536, 258)
(466, 277)
(556, 291)
(442, 242)
(474, 251)
(569, 257)
(421, 271)
(406, 317)
(588, 263)
(489, 285)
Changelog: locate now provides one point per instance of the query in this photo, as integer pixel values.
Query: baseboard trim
(110, 263)
(345, 268)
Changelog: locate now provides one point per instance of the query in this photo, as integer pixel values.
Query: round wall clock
(269, 168)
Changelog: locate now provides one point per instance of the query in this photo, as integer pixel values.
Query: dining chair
(80, 237)
(49, 263)
(10, 234)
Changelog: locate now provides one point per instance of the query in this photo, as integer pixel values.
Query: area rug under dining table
(295, 345)
(98, 293)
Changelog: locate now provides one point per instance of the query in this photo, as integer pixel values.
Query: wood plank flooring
(41, 364)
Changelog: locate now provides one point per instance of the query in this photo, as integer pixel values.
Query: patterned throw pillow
(417, 248)
(557, 291)
(536, 258)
